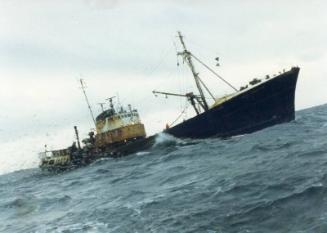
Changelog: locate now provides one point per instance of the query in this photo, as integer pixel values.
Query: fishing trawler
(260, 104)
(119, 131)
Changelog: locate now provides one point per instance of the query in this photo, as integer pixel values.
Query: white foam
(163, 138)
(142, 153)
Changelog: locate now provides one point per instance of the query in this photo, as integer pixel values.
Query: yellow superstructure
(118, 126)
(120, 134)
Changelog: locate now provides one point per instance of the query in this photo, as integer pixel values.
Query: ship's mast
(87, 100)
(188, 57)
(197, 101)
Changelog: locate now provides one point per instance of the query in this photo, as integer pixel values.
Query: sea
(274, 180)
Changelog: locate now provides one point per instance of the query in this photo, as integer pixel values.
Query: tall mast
(188, 57)
(87, 100)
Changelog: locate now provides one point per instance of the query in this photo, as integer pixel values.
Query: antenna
(110, 102)
(87, 100)
(101, 105)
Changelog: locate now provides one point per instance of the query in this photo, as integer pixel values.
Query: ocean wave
(270, 181)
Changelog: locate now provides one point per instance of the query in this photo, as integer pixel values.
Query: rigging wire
(181, 84)
(162, 60)
(201, 49)
(179, 116)
(217, 75)
(207, 89)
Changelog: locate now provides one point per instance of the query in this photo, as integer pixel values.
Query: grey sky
(127, 47)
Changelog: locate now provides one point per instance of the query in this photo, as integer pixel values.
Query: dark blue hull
(264, 105)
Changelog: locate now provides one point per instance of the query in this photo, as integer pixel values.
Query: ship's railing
(53, 153)
(45, 154)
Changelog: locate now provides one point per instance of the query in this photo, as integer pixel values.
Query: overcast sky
(127, 47)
